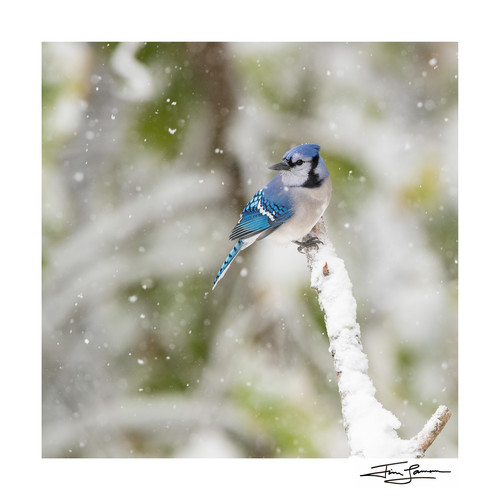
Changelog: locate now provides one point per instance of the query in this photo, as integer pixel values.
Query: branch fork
(371, 429)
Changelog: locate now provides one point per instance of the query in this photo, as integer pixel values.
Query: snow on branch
(371, 429)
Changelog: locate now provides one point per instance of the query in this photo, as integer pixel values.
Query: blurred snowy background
(150, 151)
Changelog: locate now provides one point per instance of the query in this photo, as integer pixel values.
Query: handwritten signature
(402, 476)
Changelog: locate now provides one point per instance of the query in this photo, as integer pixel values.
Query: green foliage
(440, 221)
(349, 178)
(285, 423)
(175, 342)
(162, 121)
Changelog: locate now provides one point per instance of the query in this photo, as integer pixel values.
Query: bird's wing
(261, 214)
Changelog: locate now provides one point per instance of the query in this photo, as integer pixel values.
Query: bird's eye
(299, 162)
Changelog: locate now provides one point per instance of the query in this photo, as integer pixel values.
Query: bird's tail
(232, 254)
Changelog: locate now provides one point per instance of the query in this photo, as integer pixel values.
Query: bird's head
(299, 166)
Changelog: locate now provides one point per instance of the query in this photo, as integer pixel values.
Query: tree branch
(431, 430)
(370, 428)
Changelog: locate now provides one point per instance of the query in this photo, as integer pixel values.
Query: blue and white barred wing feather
(260, 216)
(258, 219)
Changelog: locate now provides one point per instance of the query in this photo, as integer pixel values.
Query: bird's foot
(311, 242)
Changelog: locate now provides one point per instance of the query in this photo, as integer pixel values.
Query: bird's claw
(311, 242)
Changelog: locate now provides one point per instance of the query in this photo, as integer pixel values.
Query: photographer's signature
(396, 473)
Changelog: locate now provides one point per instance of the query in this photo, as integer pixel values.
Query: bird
(288, 207)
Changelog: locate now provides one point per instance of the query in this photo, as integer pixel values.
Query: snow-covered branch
(371, 429)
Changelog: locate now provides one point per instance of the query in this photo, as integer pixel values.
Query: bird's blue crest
(310, 150)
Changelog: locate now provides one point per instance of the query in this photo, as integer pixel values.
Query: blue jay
(288, 207)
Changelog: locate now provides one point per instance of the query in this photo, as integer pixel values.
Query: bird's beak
(282, 165)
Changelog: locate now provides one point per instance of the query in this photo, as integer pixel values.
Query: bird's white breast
(309, 205)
